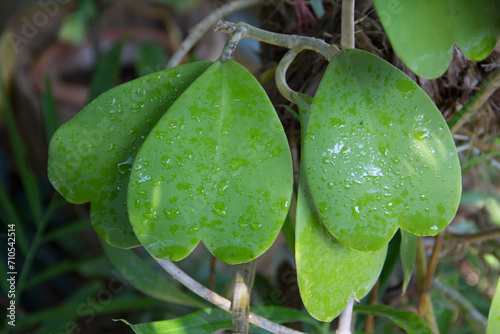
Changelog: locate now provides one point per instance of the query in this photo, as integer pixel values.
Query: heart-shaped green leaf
(216, 167)
(378, 154)
(329, 273)
(90, 156)
(423, 32)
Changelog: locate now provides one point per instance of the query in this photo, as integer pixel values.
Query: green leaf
(423, 32)
(408, 256)
(90, 156)
(329, 273)
(216, 167)
(493, 326)
(378, 154)
(138, 273)
(211, 320)
(408, 321)
(202, 322)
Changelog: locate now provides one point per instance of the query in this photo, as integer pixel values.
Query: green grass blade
(107, 71)
(59, 269)
(62, 314)
(53, 205)
(49, 110)
(11, 216)
(28, 179)
(67, 229)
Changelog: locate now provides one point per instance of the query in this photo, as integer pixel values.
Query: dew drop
(219, 209)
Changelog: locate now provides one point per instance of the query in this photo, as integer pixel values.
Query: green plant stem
(347, 37)
(475, 318)
(204, 26)
(245, 274)
(345, 319)
(218, 300)
(298, 43)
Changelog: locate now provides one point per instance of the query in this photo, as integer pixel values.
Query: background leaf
(473, 25)
(138, 273)
(408, 321)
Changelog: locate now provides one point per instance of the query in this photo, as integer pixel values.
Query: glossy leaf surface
(329, 273)
(216, 168)
(423, 32)
(378, 154)
(91, 155)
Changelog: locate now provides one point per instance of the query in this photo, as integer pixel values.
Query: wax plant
(197, 153)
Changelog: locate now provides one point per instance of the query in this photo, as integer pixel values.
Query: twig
(288, 41)
(241, 300)
(471, 314)
(469, 238)
(347, 37)
(218, 300)
(345, 318)
(204, 26)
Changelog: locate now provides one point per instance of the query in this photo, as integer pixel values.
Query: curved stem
(204, 26)
(288, 41)
(218, 300)
(280, 76)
